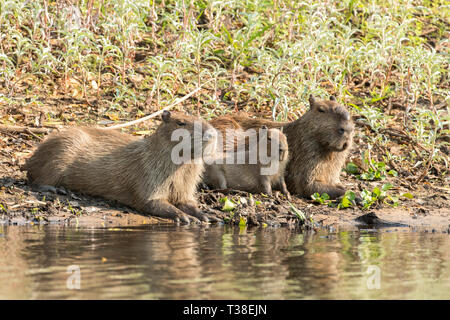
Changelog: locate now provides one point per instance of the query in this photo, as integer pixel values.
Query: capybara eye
(321, 110)
(181, 123)
(341, 131)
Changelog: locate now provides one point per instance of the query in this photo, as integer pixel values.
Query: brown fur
(316, 146)
(247, 176)
(135, 171)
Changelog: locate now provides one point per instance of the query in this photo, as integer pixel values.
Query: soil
(428, 210)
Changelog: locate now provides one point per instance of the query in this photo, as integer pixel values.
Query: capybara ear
(312, 101)
(166, 116)
(264, 127)
(333, 98)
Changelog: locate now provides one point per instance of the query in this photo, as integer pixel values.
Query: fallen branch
(178, 101)
(8, 129)
(34, 135)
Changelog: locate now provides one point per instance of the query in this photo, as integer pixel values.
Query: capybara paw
(193, 219)
(213, 218)
(288, 196)
(182, 218)
(202, 217)
(336, 193)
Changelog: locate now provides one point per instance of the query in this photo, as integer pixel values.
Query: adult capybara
(138, 172)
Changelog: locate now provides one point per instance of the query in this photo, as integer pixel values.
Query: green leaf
(350, 195)
(256, 35)
(376, 191)
(317, 198)
(228, 205)
(352, 168)
(325, 196)
(242, 222)
(299, 214)
(345, 203)
(386, 186)
(368, 176)
(366, 195)
(408, 195)
(393, 173)
(381, 166)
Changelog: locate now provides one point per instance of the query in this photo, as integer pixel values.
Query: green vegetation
(298, 213)
(120, 59)
(375, 170)
(365, 200)
(228, 205)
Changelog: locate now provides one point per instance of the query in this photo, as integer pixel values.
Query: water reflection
(221, 263)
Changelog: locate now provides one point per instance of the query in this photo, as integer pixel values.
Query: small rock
(45, 188)
(74, 204)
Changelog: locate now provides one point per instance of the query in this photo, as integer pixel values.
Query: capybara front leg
(221, 180)
(284, 189)
(267, 187)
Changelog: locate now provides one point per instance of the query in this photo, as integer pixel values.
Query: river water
(220, 262)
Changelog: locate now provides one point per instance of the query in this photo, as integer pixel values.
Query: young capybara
(260, 167)
(138, 172)
(319, 143)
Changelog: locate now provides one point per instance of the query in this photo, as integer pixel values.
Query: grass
(121, 59)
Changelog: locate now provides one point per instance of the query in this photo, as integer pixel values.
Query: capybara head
(276, 139)
(329, 124)
(196, 134)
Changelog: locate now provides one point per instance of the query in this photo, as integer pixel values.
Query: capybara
(253, 165)
(138, 172)
(319, 143)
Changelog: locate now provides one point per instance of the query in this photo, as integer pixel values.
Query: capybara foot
(191, 209)
(163, 209)
(333, 191)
